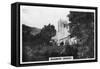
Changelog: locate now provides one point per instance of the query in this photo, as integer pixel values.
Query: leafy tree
(82, 26)
(48, 31)
(45, 35)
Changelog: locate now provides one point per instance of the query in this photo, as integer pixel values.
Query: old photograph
(51, 34)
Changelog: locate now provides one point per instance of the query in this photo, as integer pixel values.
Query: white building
(62, 33)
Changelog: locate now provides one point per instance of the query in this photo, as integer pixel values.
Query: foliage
(45, 35)
(82, 27)
(37, 47)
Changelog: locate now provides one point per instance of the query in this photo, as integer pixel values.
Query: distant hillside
(35, 31)
(31, 30)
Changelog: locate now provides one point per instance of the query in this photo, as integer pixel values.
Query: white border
(71, 9)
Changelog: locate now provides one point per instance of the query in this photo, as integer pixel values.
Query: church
(62, 35)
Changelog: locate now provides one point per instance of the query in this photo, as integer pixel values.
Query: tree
(82, 27)
(45, 35)
(47, 32)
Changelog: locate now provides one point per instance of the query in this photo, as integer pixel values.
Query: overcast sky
(36, 16)
(39, 16)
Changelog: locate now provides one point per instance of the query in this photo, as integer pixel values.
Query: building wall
(62, 33)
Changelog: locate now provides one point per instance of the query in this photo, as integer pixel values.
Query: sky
(36, 16)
